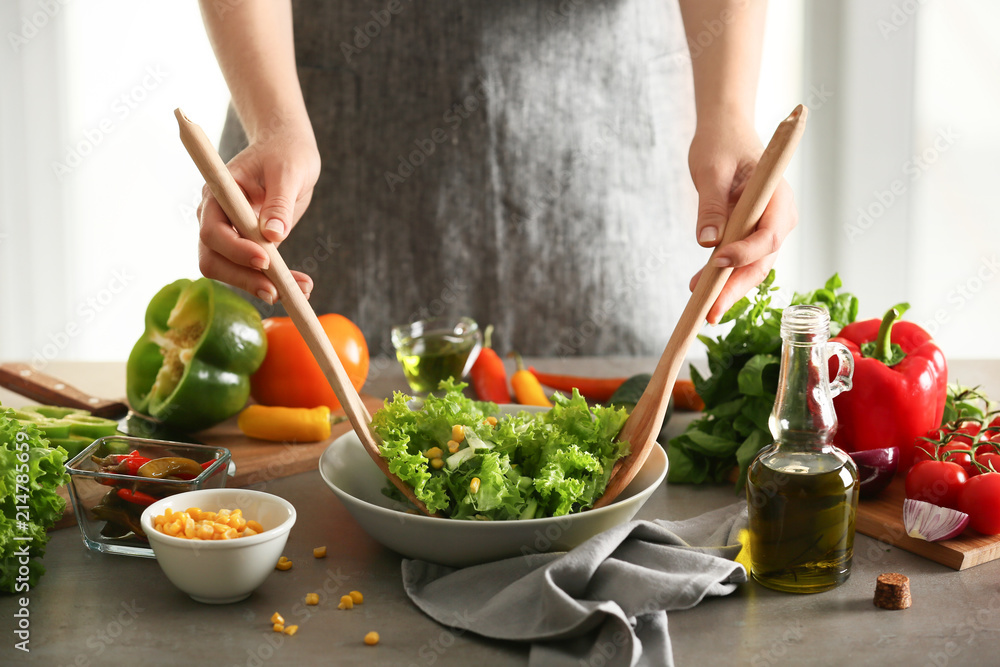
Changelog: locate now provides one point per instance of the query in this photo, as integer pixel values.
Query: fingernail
(708, 235)
(274, 225)
(264, 295)
(722, 262)
(258, 263)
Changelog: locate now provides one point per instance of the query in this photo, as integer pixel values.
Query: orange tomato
(291, 377)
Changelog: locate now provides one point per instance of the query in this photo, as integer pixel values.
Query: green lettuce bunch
(30, 473)
(529, 465)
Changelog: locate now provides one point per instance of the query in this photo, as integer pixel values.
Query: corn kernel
(312, 598)
(277, 618)
(256, 526)
(458, 433)
(291, 630)
(247, 532)
(474, 485)
(356, 597)
(433, 453)
(437, 464)
(278, 627)
(283, 565)
(453, 446)
(194, 512)
(371, 638)
(319, 552)
(491, 420)
(346, 602)
(168, 512)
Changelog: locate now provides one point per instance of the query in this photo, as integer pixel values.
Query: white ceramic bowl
(221, 571)
(347, 469)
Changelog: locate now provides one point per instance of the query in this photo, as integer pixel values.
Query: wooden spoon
(230, 196)
(644, 423)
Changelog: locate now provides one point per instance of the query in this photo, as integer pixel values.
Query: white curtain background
(97, 195)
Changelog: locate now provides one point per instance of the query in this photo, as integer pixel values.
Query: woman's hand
(722, 157)
(277, 175)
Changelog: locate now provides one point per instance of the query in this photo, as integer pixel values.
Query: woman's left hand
(722, 157)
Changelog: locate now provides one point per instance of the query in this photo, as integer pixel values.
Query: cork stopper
(892, 591)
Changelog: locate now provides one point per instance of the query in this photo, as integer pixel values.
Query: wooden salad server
(230, 196)
(644, 423)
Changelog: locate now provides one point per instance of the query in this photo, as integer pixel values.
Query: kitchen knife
(30, 383)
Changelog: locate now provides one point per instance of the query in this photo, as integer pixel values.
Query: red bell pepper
(488, 375)
(900, 386)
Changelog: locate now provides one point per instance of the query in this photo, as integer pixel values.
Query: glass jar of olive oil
(802, 491)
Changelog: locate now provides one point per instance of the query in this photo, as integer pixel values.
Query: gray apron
(521, 162)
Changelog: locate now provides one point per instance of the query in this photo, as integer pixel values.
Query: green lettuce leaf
(528, 465)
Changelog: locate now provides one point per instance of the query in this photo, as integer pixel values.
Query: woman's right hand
(277, 175)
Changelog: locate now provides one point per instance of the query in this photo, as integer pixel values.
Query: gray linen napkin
(603, 603)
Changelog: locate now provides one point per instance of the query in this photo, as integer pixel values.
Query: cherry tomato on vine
(980, 499)
(936, 482)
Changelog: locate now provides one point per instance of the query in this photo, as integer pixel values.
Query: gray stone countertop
(94, 609)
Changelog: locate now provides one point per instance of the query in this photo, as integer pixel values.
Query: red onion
(929, 522)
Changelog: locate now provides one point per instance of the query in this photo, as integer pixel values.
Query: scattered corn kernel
(356, 597)
(474, 485)
(278, 627)
(491, 420)
(277, 618)
(196, 524)
(458, 433)
(283, 565)
(312, 598)
(371, 638)
(437, 464)
(319, 552)
(291, 630)
(346, 602)
(433, 453)
(453, 446)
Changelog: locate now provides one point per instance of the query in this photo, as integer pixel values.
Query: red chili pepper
(595, 389)
(134, 461)
(489, 377)
(137, 497)
(900, 386)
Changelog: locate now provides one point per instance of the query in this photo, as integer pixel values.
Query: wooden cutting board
(256, 460)
(882, 519)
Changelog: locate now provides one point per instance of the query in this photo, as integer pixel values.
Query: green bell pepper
(191, 368)
(70, 428)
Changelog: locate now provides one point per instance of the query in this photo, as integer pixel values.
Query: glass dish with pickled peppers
(116, 478)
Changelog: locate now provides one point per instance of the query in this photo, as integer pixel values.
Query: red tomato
(992, 431)
(291, 377)
(961, 454)
(980, 499)
(936, 482)
(988, 459)
(964, 433)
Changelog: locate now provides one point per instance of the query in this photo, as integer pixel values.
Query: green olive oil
(802, 491)
(434, 357)
(801, 522)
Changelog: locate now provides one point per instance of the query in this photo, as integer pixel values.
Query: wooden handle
(38, 386)
(647, 417)
(230, 196)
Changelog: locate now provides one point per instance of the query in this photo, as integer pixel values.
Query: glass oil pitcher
(802, 491)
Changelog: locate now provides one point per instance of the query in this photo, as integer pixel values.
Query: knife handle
(26, 381)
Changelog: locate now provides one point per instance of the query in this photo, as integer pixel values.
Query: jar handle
(845, 371)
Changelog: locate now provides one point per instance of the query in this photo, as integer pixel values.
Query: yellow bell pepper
(281, 424)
